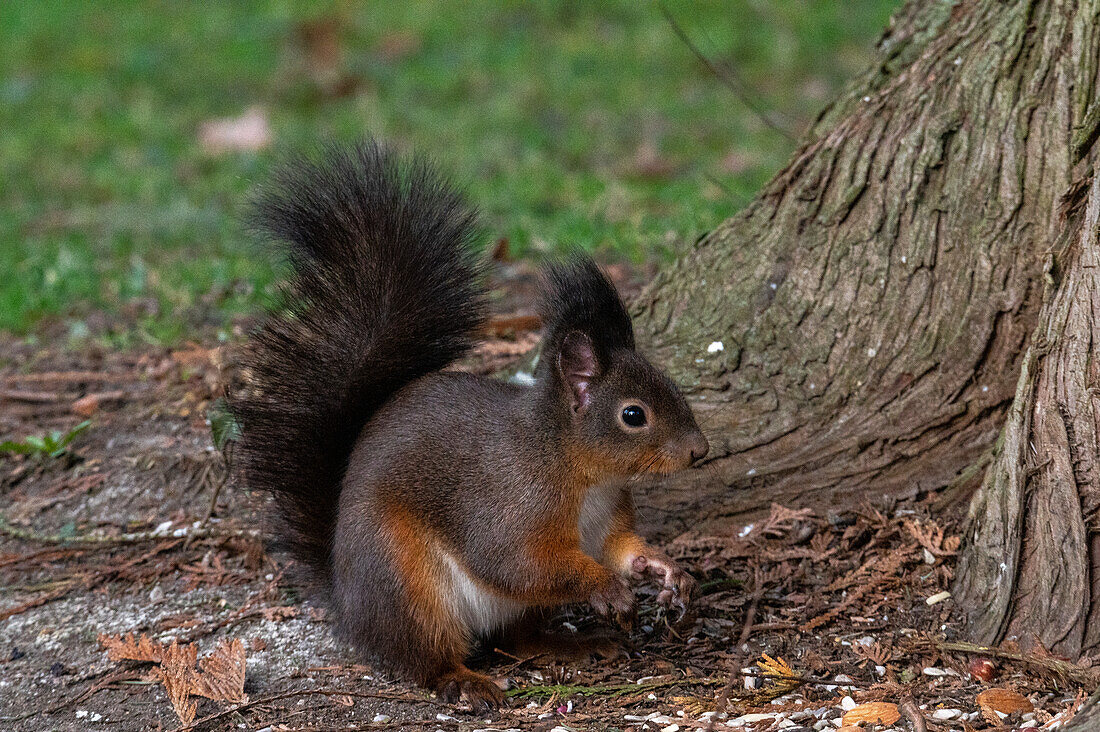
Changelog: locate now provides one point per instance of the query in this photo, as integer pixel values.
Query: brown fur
(440, 508)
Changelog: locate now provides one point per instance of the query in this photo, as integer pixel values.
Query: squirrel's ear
(579, 367)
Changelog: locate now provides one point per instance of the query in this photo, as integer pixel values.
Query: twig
(38, 601)
(30, 397)
(244, 612)
(200, 532)
(1069, 672)
(302, 692)
(119, 677)
(41, 555)
(608, 690)
(912, 712)
(750, 614)
(66, 376)
(728, 77)
(89, 580)
(227, 456)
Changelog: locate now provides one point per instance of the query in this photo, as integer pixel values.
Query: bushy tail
(384, 290)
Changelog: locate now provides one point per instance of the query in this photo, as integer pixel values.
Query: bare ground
(805, 613)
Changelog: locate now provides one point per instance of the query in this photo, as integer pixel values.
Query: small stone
(381, 718)
(752, 718)
(671, 728)
(933, 671)
(848, 704)
(945, 714)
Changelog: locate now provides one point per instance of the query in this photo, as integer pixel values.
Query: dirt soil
(810, 618)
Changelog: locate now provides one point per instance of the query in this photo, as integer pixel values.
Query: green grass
(109, 205)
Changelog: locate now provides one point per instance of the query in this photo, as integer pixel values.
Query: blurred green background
(571, 123)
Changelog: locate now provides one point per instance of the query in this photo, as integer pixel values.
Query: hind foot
(477, 689)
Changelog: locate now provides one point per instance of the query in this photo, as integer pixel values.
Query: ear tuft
(576, 295)
(579, 367)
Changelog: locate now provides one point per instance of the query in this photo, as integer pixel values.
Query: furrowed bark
(1031, 567)
(874, 302)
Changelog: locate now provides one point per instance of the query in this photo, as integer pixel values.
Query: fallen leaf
(222, 673)
(176, 672)
(87, 405)
(279, 612)
(127, 648)
(1004, 701)
(883, 713)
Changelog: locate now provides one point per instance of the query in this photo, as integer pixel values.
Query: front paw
(613, 598)
(678, 588)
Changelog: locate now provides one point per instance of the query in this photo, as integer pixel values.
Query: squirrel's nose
(698, 446)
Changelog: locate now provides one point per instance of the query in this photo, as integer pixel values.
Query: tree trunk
(874, 302)
(1032, 562)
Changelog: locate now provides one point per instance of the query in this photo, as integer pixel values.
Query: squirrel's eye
(633, 416)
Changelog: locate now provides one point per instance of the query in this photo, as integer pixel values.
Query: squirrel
(437, 508)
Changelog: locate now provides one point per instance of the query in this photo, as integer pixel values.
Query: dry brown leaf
(127, 648)
(222, 675)
(280, 612)
(1004, 701)
(176, 672)
(883, 713)
(782, 519)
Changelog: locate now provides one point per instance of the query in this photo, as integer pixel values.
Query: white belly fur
(595, 519)
(481, 610)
